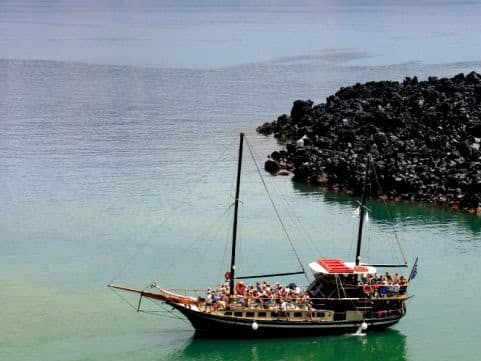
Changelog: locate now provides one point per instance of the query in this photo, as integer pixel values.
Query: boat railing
(194, 292)
(187, 292)
(300, 303)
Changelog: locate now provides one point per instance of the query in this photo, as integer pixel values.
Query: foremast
(361, 213)
(236, 211)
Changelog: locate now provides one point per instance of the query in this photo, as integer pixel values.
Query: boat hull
(386, 312)
(209, 325)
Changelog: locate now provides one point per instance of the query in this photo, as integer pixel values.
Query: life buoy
(240, 288)
(227, 275)
(367, 289)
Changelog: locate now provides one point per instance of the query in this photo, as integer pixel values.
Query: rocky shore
(423, 136)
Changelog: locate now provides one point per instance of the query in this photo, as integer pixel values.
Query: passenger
(208, 301)
(240, 301)
(297, 290)
(403, 284)
(283, 308)
(223, 300)
(258, 296)
(264, 286)
(269, 303)
(382, 290)
(370, 279)
(250, 302)
(397, 278)
(214, 300)
(395, 288)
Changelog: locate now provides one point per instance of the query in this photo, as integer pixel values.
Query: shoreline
(423, 136)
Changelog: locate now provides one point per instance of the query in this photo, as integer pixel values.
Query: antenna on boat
(361, 212)
(236, 210)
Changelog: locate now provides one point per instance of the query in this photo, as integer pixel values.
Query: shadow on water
(405, 212)
(388, 345)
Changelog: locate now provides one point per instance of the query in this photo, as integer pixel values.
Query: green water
(56, 303)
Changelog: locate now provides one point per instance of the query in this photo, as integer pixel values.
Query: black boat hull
(210, 325)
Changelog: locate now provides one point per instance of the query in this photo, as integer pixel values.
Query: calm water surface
(118, 136)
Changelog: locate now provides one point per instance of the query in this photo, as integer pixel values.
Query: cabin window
(249, 314)
(228, 313)
(238, 314)
(320, 314)
(297, 314)
(262, 314)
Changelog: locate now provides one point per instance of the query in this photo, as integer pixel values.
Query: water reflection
(388, 345)
(397, 211)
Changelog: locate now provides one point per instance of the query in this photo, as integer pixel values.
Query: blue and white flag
(414, 270)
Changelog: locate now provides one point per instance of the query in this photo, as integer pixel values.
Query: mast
(361, 213)
(236, 209)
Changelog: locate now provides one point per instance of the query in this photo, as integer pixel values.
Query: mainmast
(236, 209)
(361, 212)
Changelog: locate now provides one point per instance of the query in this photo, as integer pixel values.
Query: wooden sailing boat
(344, 297)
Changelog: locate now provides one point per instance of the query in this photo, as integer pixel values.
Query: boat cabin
(335, 278)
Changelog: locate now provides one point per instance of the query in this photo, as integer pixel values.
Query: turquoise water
(118, 137)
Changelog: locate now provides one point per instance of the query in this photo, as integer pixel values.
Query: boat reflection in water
(379, 346)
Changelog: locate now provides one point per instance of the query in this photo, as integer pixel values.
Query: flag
(414, 270)
(366, 218)
(356, 212)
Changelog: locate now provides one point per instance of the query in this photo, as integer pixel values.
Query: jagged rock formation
(424, 138)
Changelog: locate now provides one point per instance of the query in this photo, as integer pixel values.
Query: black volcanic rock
(272, 166)
(423, 136)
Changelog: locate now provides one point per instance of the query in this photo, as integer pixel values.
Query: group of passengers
(261, 295)
(384, 285)
(284, 298)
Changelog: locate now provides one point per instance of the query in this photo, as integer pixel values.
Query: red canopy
(334, 265)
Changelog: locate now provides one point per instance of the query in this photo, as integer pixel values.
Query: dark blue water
(118, 133)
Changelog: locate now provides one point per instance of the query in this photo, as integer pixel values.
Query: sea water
(119, 126)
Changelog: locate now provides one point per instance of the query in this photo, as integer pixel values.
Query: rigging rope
(190, 246)
(197, 183)
(275, 208)
(172, 313)
(155, 313)
(123, 298)
(297, 223)
(368, 228)
(387, 211)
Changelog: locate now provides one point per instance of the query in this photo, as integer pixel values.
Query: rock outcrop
(424, 138)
